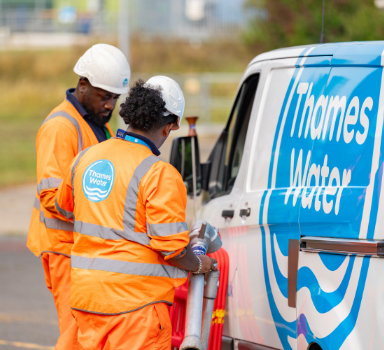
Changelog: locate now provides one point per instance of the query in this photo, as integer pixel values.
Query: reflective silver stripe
(110, 233)
(49, 182)
(175, 257)
(52, 251)
(181, 254)
(36, 203)
(167, 253)
(166, 229)
(123, 312)
(67, 214)
(74, 168)
(132, 192)
(52, 223)
(74, 122)
(127, 267)
(56, 224)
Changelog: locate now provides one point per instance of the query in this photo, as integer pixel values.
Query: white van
(295, 185)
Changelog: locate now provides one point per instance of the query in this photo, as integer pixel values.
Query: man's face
(99, 104)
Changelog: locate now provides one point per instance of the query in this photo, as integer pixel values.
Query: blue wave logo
(325, 317)
(98, 180)
(125, 82)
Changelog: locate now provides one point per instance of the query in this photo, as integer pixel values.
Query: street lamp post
(123, 28)
(123, 41)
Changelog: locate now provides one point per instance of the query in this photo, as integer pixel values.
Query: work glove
(211, 235)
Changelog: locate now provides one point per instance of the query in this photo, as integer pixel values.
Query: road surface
(28, 318)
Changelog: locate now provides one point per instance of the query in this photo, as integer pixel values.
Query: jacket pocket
(165, 335)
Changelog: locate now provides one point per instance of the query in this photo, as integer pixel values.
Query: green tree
(283, 23)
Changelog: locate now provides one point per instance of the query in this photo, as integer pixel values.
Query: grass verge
(33, 82)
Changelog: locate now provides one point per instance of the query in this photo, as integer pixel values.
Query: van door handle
(293, 266)
(228, 214)
(245, 212)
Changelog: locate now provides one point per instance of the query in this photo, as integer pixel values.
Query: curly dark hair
(144, 108)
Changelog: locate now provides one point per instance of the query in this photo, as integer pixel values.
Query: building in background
(187, 19)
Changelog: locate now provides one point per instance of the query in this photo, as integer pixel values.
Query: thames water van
(295, 185)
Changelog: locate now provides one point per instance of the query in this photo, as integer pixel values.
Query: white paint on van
(374, 168)
(285, 117)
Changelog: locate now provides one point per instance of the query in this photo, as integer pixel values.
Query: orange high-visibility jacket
(62, 136)
(128, 208)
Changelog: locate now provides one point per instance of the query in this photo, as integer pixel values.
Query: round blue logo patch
(125, 82)
(98, 180)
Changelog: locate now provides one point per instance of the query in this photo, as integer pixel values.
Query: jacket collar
(121, 134)
(73, 100)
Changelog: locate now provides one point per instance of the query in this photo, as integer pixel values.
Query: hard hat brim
(111, 89)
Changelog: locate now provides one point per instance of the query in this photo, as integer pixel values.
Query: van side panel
(340, 200)
(290, 164)
(255, 317)
(324, 180)
(312, 171)
(369, 329)
(268, 231)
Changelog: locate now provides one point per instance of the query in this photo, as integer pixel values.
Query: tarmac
(28, 317)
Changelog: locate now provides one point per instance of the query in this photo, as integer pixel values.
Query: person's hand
(208, 264)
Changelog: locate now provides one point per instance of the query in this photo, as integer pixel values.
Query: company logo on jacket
(98, 180)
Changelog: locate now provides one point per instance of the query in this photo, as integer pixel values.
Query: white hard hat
(171, 93)
(105, 67)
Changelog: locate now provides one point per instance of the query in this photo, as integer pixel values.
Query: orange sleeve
(165, 202)
(56, 146)
(64, 202)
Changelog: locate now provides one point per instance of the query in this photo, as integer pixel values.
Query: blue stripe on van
(302, 54)
(358, 55)
(324, 50)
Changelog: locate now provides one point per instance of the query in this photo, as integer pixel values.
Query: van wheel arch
(314, 346)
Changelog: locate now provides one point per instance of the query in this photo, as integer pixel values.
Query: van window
(228, 156)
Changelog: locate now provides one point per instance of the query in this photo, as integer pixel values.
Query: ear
(175, 126)
(83, 85)
(167, 129)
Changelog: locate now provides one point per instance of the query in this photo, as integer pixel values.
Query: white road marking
(18, 344)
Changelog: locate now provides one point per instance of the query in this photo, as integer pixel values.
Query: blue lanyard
(136, 140)
(121, 134)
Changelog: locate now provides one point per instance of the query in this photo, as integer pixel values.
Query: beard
(97, 119)
(94, 117)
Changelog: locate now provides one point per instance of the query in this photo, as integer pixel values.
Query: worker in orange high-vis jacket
(78, 122)
(131, 245)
